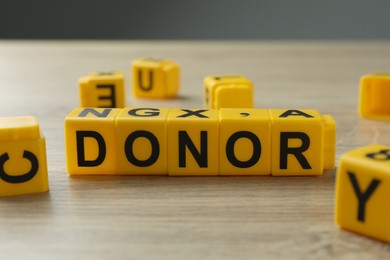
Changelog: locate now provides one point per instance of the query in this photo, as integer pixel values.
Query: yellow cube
(141, 138)
(374, 96)
(363, 191)
(90, 141)
(228, 91)
(192, 139)
(154, 78)
(297, 142)
(244, 141)
(105, 90)
(329, 141)
(23, 166)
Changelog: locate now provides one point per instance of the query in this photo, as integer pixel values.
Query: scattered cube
(244, 141)
(192, 138)
(105, 89)
(23, 166)
(141, 136)
(228, 91)
(363, 191)
(153, 78)
(375, 96)
(91, 144)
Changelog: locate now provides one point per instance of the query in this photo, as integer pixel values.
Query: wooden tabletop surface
(144, 217)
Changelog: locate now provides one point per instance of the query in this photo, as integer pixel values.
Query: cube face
(141, 136)
(363, 192)
(153, 78)
(374, 96)
(90, 141)
(192, 139)
(329, 141)
(297, 142)
(244, 142)
(106, 90)
(228, 91)
(23, 166)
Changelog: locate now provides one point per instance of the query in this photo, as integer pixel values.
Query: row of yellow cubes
(230, 141)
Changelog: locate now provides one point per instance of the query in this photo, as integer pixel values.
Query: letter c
(19, 178)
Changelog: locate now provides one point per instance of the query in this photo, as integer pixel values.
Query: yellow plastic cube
(363, 191)
(374, 96)
(154, 78)
(297, 142)
(105, 90)
(141, 138)
(23, 166)
(244, 141)
(329, 141)
(192, 139)
(90, 141)
(228, 91)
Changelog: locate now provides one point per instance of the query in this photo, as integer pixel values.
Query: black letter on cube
(85, 112)
(185, 141)
(296, 151)
(129, 148)
(80, 135)
(110, 97)
(295, 113)
(19, 178)
(382, 155)
(140, 81)
(362, 196)
(256, 149)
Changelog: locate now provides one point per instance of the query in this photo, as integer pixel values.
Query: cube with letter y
(363, 191)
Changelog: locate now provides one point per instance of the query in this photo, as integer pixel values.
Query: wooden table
(145, 217)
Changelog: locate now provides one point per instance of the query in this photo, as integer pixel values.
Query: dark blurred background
(199, 19)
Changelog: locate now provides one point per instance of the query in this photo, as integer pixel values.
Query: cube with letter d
(90, 141)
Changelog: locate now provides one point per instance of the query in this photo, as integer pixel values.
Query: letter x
(196, 113)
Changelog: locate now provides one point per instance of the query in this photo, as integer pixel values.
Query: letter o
(256, 149)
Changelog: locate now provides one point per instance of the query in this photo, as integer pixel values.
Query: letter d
(81, 161)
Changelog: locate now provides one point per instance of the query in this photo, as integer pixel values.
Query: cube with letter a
(297, 142)
(363, 191)
(102, 89)
(23, 166)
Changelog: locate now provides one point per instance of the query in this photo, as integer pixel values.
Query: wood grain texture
(144, 217)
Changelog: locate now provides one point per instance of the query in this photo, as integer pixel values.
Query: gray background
(174, 19)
